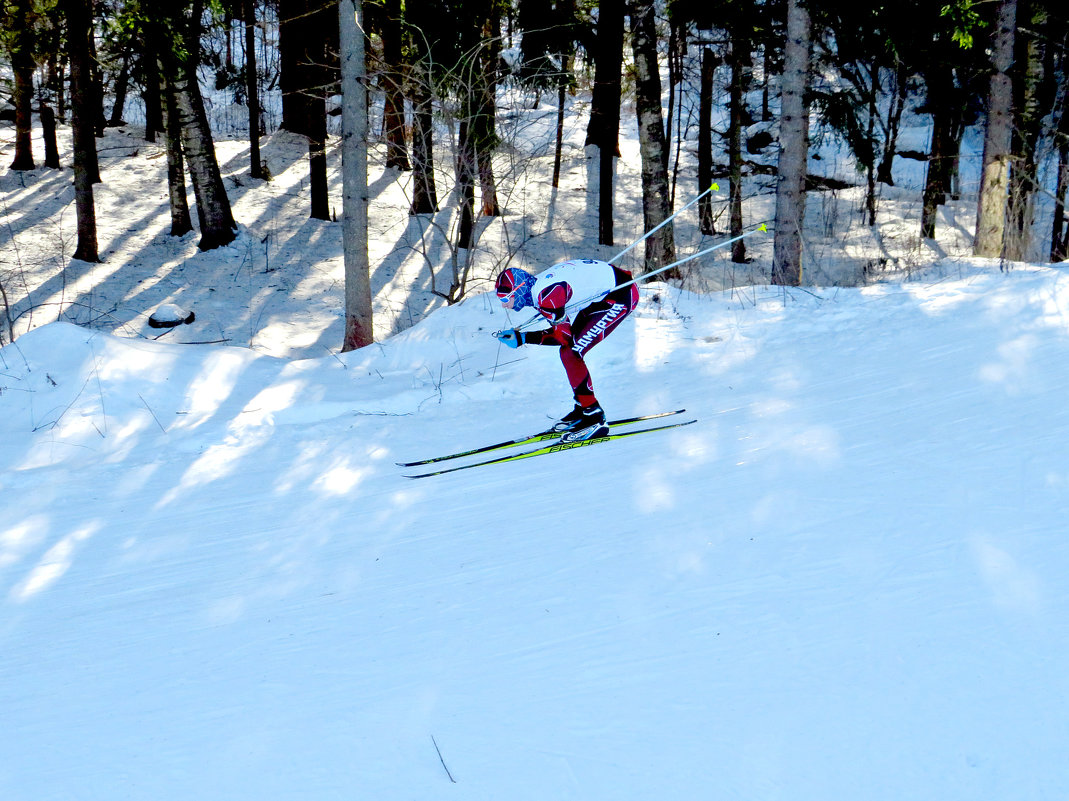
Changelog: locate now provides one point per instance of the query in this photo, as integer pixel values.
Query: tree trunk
(740, 56)
(359, 330)
(150, 92)
(603, 130)
(84, 113)
(317, 157)
(562, 96)
(122, 82)
(994, 179)
(1034, 95)
(935, 184)
(217, 226)
(48, 133)
(794, 145)
(181, 222)
(22, 65)
(294, 36)
(466, 168)
(705, 142)
(484, 123)
(394, 111)
(885, 172)
(318, 79)
(424, 190)
(660, 247)
(1058, 245)
(252, 90)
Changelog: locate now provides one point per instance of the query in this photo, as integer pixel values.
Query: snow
(845, 581)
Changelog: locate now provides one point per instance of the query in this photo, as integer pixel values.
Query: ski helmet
(516, 283)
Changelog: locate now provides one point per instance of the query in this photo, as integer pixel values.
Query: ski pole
(654, 230)
(762, 228)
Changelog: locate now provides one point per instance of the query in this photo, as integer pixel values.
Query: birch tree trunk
(794, 146)
(181, 223)
(660, 247)
(994, 179)
(217, 226)
(359, 330)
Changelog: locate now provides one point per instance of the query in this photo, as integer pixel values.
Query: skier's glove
(510, 337)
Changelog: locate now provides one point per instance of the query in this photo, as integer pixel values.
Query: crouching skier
(583, 300)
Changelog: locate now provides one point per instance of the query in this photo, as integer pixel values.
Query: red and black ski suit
(576, 331)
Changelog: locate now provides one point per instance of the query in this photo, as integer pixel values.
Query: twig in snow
(440, 759)
(154, 417)
(336, 356)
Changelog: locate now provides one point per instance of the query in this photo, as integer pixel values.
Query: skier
(583, 300)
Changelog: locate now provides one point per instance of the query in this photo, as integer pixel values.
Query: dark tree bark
(705, 141)
(122, 83)
(294, 36)
(150, 89)
(317, 157)
(22, 65)
(562, 96)
(424, 191)
(84, 113)
(939, 156)
(252, 90)
(1059, 245)
(466, 168)
(316, 128)
(603, 130)
(394, 109)
(484, 123)
(738, 61)
(48, 131)
(885, 172)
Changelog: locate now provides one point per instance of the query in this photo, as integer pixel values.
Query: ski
(544, 435)
(554, 448)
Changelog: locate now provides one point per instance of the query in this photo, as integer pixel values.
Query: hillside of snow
(845, 581)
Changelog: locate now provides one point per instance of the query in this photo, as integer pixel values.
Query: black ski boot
(583, 423)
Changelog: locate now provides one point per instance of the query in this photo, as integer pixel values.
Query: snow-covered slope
(846, 581)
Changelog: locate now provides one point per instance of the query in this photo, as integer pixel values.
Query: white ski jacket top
(567, 288)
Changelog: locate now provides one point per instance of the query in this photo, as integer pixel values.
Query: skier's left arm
(557, 335)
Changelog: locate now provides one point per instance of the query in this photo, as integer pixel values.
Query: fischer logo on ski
(539, 437)
(554, 448)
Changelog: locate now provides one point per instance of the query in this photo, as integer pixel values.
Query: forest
(731, 104)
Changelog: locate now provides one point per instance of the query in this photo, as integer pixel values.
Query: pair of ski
(553, 447)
